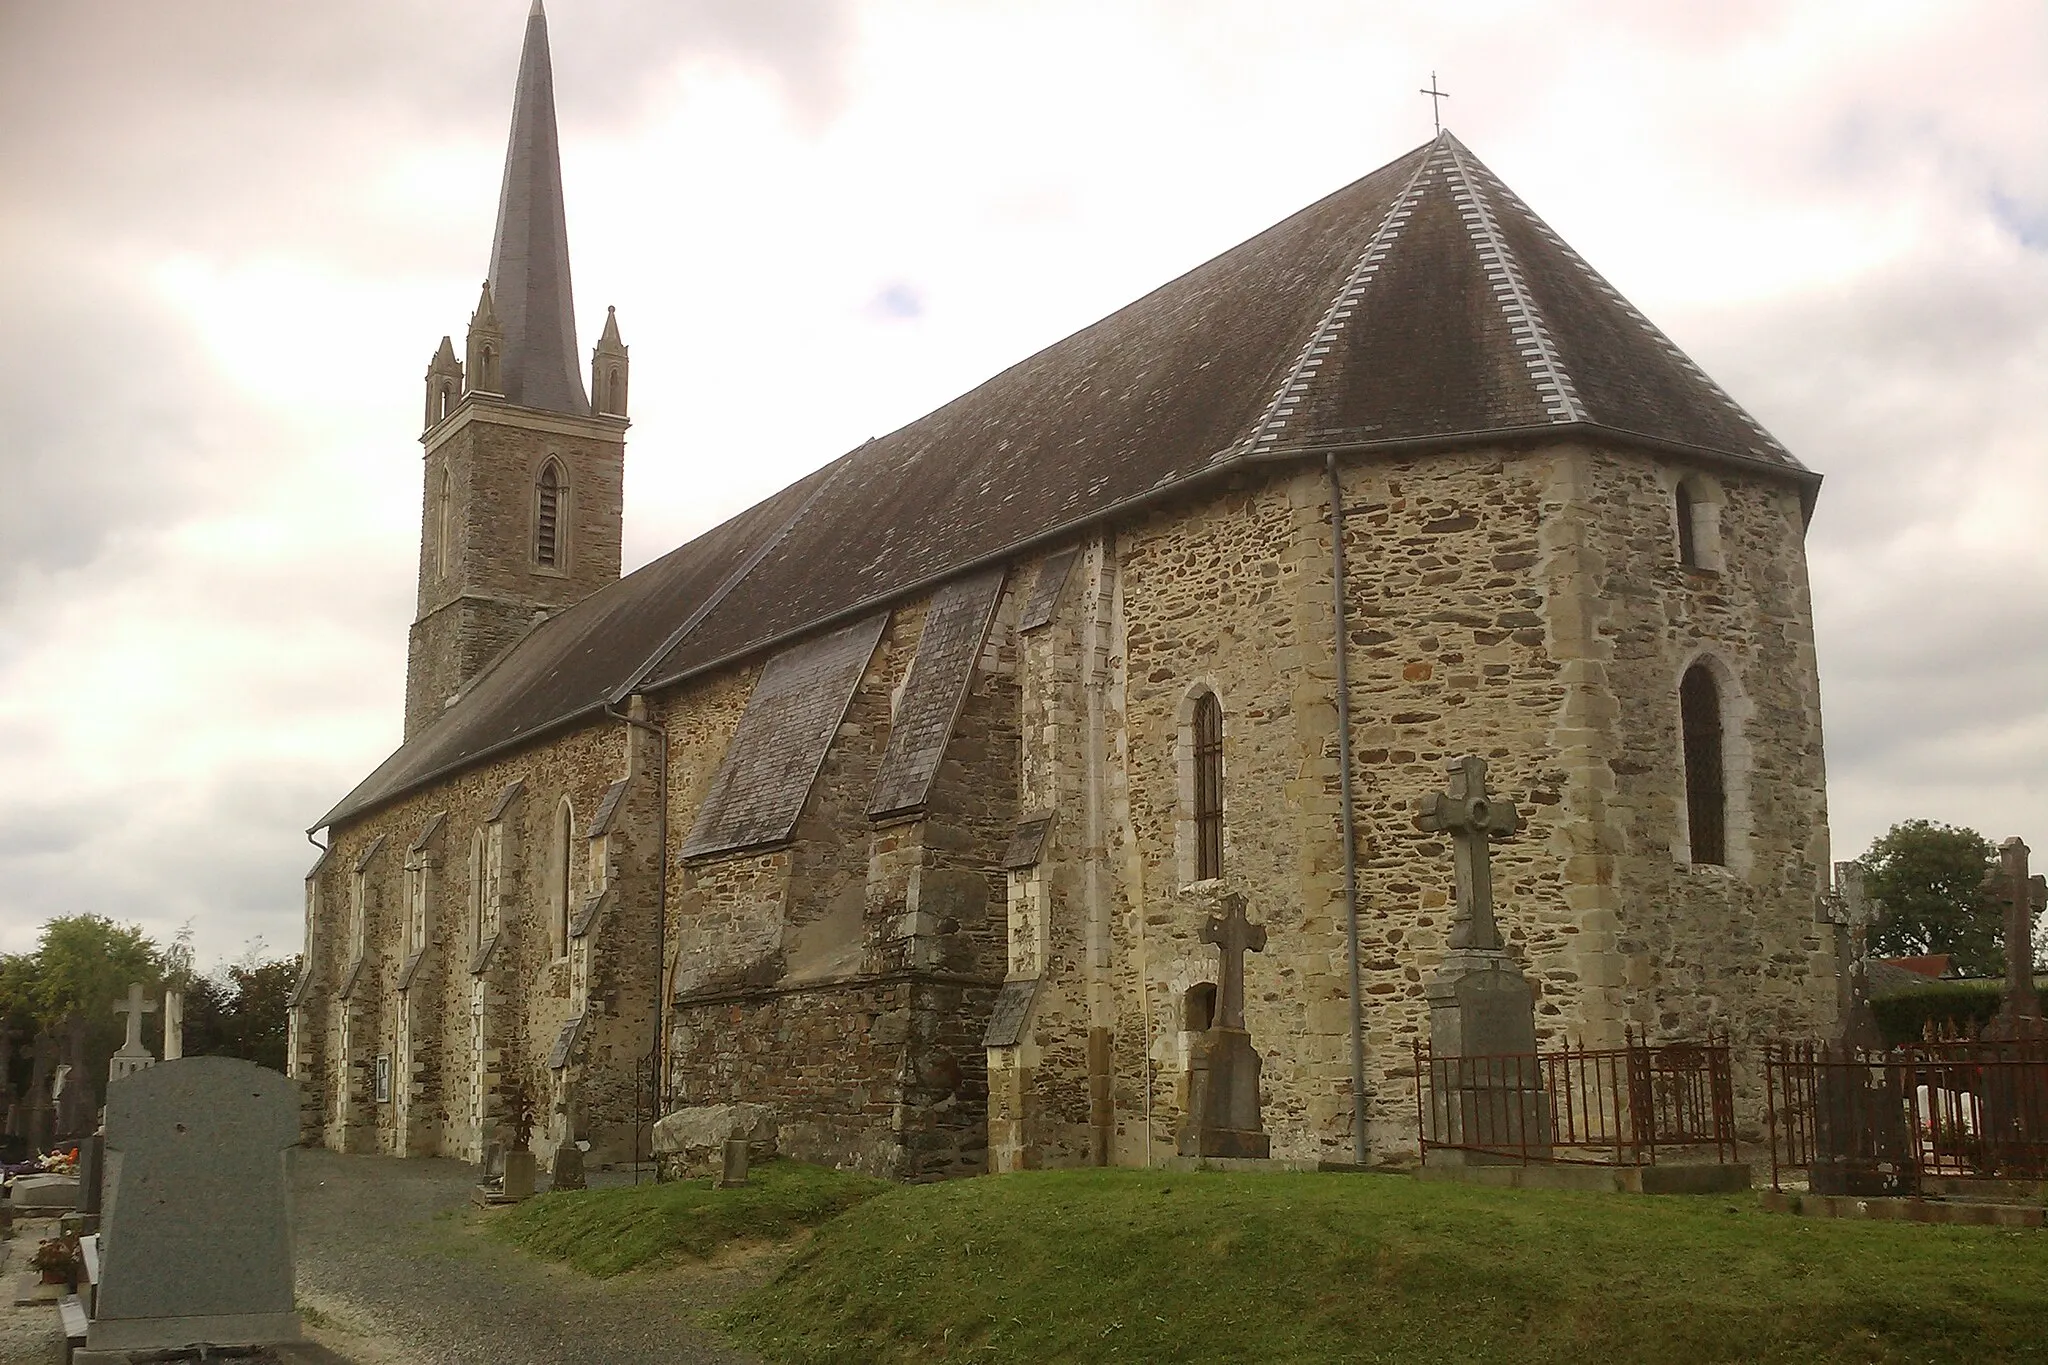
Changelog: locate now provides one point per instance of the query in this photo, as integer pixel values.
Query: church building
(899, 802)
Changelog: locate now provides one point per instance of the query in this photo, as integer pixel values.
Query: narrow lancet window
(547, 523)
(1208, 787)
(444, 532)
(1706, 794)
(565, 828)
(1688, 534)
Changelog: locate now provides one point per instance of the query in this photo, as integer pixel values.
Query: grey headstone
(568, 1172)
(1482, 1007)
(92, 1171)
(519, 1172)
(733, 1172)
(197, 1227)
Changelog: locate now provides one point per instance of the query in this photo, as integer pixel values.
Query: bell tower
(523, 502)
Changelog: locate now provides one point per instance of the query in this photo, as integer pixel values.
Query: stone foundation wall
(881, 1075)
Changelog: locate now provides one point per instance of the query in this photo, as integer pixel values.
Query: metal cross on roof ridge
(1436, 98)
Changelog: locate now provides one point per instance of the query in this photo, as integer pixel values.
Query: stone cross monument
(133, 1056)
(1464, 811)
(1480, 1003)
(1852, 913)
(1223, 1073)
(2021, 897)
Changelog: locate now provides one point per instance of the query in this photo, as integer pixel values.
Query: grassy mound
(1131, 1265)
(605, 1232)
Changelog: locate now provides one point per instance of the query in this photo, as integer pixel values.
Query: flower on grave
(56, 1256)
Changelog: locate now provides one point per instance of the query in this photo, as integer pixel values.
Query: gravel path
(395, 1270)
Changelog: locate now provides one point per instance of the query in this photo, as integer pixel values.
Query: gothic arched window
(1208, 761)
(547, 518)
(1706, 789)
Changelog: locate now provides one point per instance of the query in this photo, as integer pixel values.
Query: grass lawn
(605, 1232)
(1131, 1265)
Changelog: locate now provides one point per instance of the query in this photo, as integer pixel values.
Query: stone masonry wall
(1482, 620)
(493, 587)
(522, 998)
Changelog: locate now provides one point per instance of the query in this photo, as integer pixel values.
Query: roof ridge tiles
(1539, 352)
(1293, 391)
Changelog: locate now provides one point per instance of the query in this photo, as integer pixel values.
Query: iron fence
(1591, 1106)
(1886, 1123)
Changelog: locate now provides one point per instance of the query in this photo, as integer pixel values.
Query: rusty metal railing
(1579, 1105)
(1885, 1123)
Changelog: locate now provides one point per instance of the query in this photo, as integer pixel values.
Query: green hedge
(1955, 1007)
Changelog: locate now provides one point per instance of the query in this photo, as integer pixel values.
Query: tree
(1929, 880)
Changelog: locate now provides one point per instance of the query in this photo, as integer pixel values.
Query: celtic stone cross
(1465, 812)
(1232, 934)
(2021, 896)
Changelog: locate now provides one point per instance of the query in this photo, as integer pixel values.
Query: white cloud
(238, 234)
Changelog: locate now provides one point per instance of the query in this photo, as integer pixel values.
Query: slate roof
(530, 249)
(1422, 305)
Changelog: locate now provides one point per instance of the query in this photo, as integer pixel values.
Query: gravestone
(568, 1168)
(1481, 1006)
(41, 1125)
(174, 1025)
(78, 1105)
(733, 1172)
(133, 1056)
(1223, 1118)
(520, 1167)
(196, 1236)
(92, 1172)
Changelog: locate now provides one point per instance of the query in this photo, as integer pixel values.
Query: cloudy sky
(232, 233)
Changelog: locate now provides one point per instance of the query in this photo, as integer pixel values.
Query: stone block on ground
(44, 1194)
(692, 1141)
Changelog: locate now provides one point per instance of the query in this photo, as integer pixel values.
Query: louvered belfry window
(1208, 787)
(1706, 796)
(547, 525)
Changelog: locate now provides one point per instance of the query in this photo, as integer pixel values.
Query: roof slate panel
(779, 745)
(947, 648)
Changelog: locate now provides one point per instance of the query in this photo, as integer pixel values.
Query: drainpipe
(636, 719)
(1342, 644)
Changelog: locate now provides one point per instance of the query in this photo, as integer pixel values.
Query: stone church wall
(478, 1033)
(1523, 604)
(1482, 619)
(843, 978)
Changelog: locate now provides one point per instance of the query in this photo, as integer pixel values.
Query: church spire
(530, 250)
